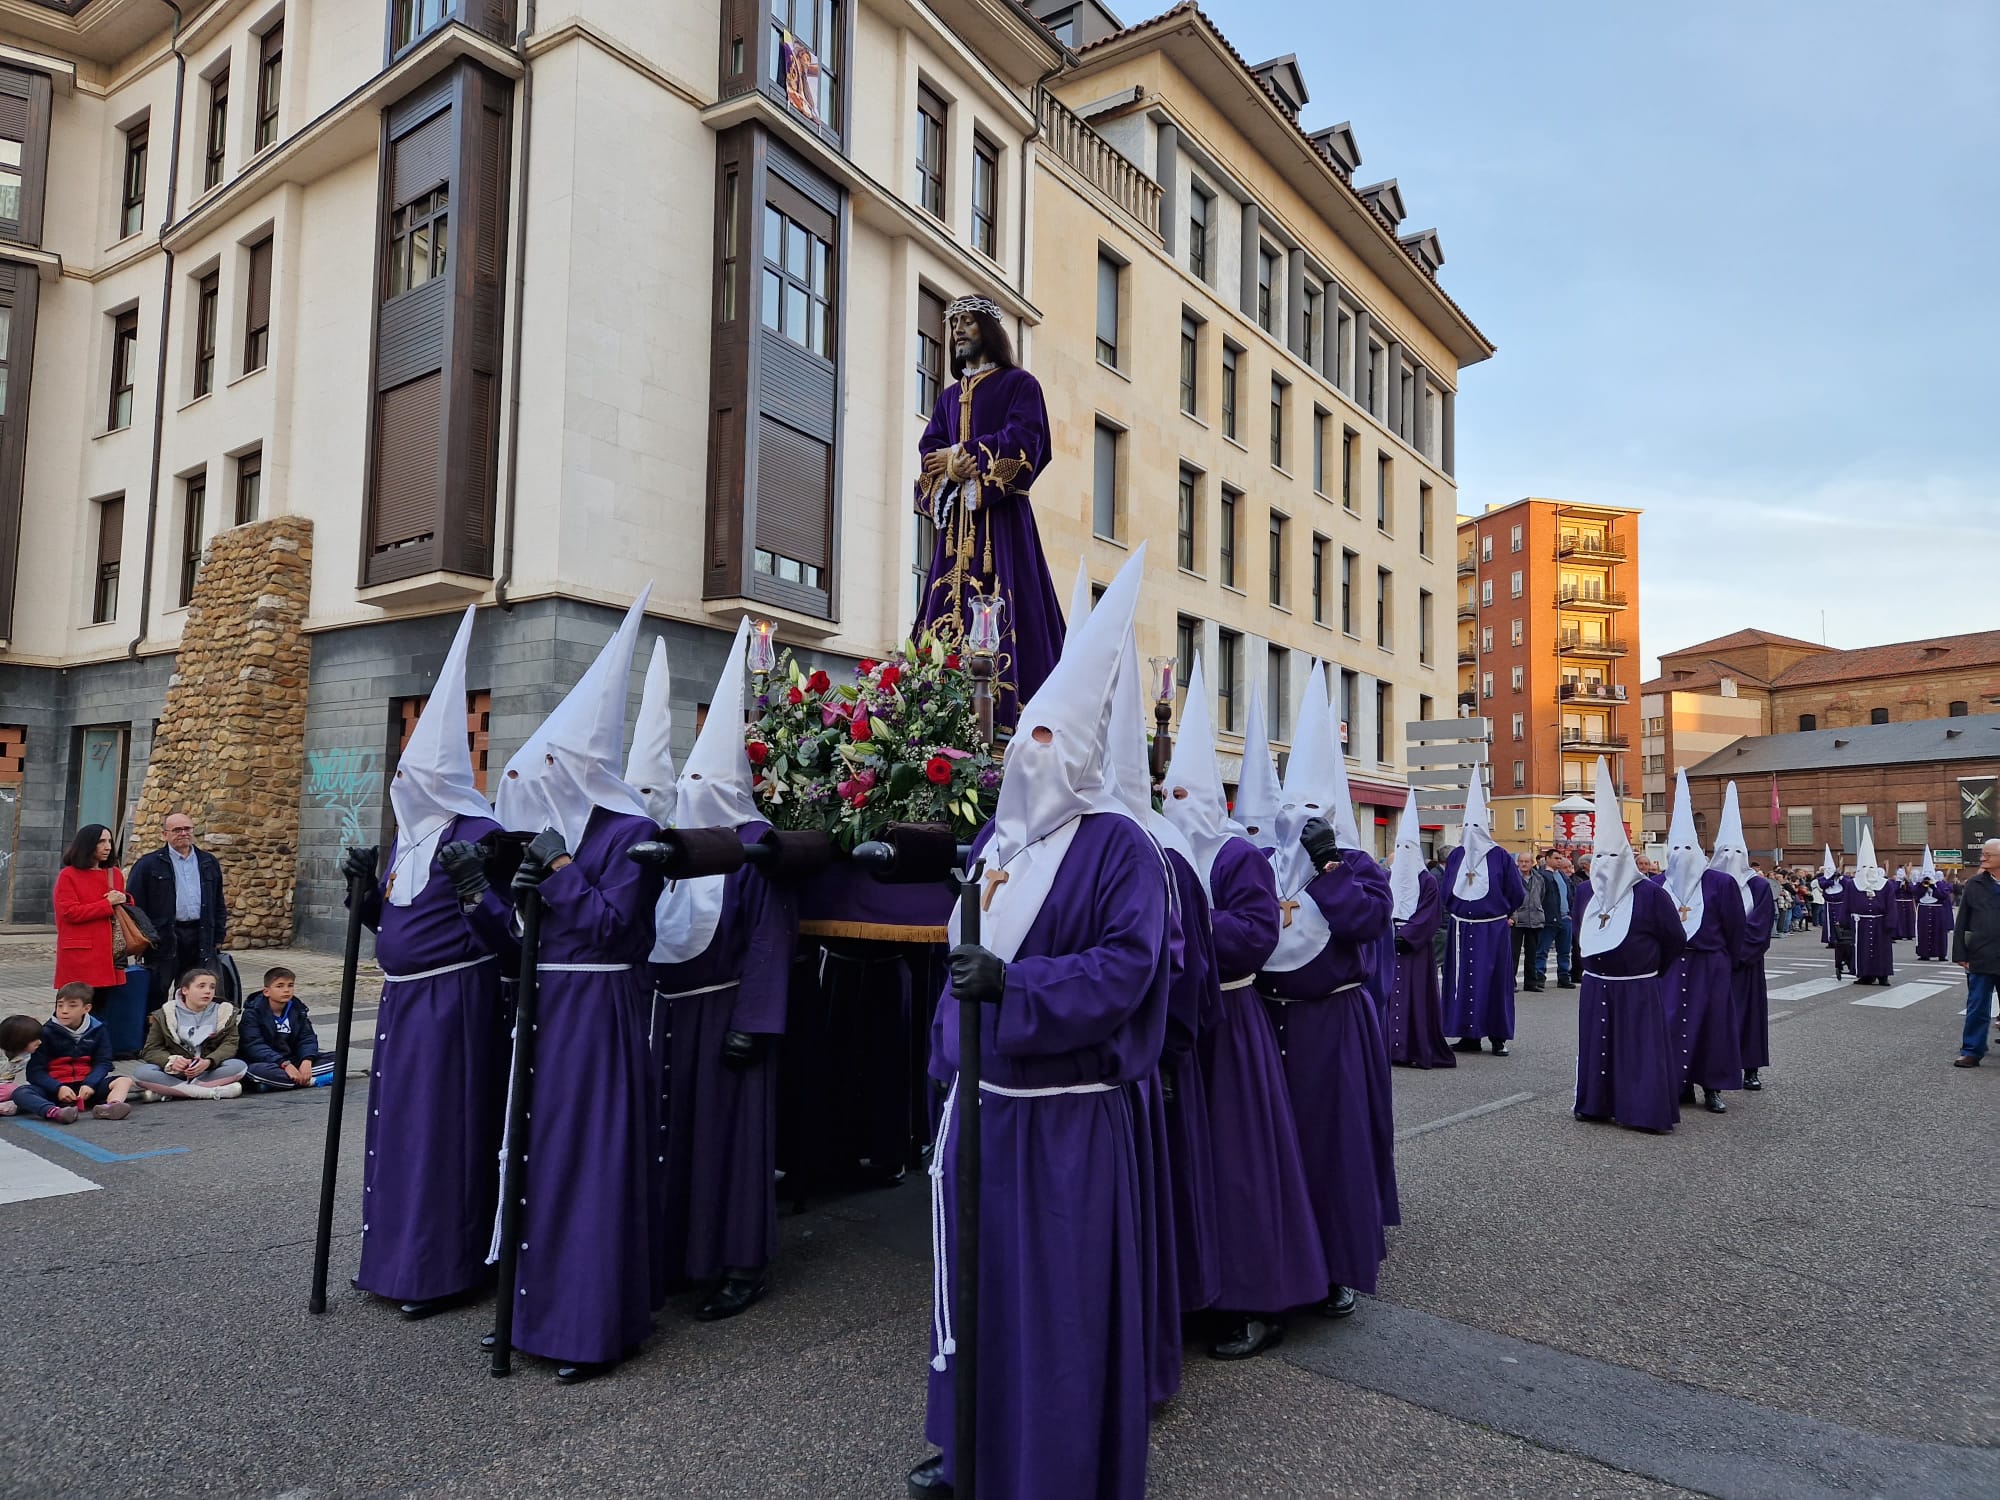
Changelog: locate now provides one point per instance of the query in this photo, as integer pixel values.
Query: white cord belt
(1619, 978)
(470, 963)
(707, 989)
(1240, 984)
(1048, 1093)
(1308, 999)
(583, 968)
(1501, 918)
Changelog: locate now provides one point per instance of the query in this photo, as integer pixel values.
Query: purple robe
(1337, 1072)
(1479, 949)
(1193, 1007)
(583, 1292)
(718, 1192)
(1905, 892)
(1751, 999)
(1831, 914)
(1267, 1234)
(1874, 919)
(1700, 999)
(1415, 1016)
(1625, 1068)
(435, 1090)
(1065, 1253)
(995, 545)
(1934, 923)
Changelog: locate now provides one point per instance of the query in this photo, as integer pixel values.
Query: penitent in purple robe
(1337, 1072)
(1479, 949)
(1064, 1253)
(999, 418)
(1267, 1234)
(1414, 1020)
(584, 1288)
(1874, 919)
(1752, 1001)
(1905, 892)
(1831, 914)
(1700, 1001)
(436, 1088)
(1194, 1007)
(1625, 1067)
(1934, 922)
(719, 1207)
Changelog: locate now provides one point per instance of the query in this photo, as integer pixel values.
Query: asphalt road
(1788, 1300)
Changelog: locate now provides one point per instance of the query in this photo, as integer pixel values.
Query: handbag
(131, 934)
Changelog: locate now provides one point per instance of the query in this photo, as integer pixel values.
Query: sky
(1740, 262)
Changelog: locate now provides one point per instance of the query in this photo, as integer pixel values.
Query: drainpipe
(520, 297)
(166, 313)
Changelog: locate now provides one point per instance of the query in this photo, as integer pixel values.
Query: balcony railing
(1587, 547)
(1577, 645)
(1591, 692)
(1467, 656)
(1594, 740)
(1467, 610)
(1467, 564)
(1101, 164)
(1585, 598)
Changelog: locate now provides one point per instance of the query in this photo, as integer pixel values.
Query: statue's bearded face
(966, 343)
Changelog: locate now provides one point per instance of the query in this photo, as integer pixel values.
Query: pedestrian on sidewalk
(179, 887)
(191, 1044)
(89, 891)
(1529, 919)
(280, 1047)
(73, 1064)
(1975, 948)
(1555, 931)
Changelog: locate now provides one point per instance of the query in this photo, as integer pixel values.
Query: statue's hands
(962, 465)
(934, 461)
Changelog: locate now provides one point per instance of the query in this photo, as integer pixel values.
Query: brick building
(1915, 782)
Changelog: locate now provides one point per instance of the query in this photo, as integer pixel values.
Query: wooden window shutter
(259, 315)
(422, 160)
(110, 531)
(794, 492)
(408, 444)
(14, 116)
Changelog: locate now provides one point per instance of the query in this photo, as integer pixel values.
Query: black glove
(360, 862)
(465, 865)
(743, 1049)
(544, 850)
(977, 974)
(1321, 846)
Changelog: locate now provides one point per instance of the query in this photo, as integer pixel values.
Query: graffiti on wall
(344, 779)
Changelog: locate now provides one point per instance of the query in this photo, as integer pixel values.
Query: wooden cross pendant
(994, 880)
(1684, 913)
(1288, 907)
(1603, 919)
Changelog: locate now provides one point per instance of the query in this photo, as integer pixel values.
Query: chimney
(1385, 198)
(1424, 248)
(1336, 144)
(1282, 77)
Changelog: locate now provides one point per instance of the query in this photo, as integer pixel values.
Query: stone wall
(230, 748)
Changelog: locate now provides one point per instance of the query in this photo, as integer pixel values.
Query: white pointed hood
(715, 785)
(650, 767)
(1079, 602)
(1476, 839)
(1614, 871)
(1827, 868)
(1257, 787)
(1315, 787)
(1194, 801)
(1685, 861)
(1868, 875)
(434, 782)
(1406, 866)
(1928, 870)
(569, 766)
(1732, 851)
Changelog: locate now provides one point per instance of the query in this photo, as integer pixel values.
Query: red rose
(866, 666)
(890, 677)
(795, 696)
(819, 682)
(758, 751)
(859, 799)
(938, 769)
(861, 729)
(951, 662)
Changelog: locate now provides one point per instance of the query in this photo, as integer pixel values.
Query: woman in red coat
(87, 891)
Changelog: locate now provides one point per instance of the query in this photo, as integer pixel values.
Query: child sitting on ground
(191, 1044)
(279, 1042)
(19, 1037)
(73, 1064)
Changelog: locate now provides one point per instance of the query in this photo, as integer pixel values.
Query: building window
(1514, 539)
(1315, 303)
(249, 486)
(1187, 633)
(1486, 593)
(1104, 484)
(985, 197)
(1514, 628)
(1808, 723)
(1319, 580)
(798, 282)
(1228, 647)
(1348, 705)
(1226, 526)
(1201, 218)
(930, 149)
(208, 300)
(1277, 560)
(1913, 825)
(1520, 726)
(1485, 639)
(411, 19)
(816, 24)
(1189, 501)
(1350, 457)
(1347, 561)
(1516, 678)
(194, 502)
(1514, 585)
(1956, 709)
(1385, 718)
(1190, 367)
(257, 308)
(1382, 483)
(270, 74)
(930, 350)
(1878, 716)
(218, 130)
(124, 360)
(1424, 626)
(1267, 270)
(1521, 814)
(1486, 684)
(1277, 423)
(1277, 683)
(1321, 421)
(419, 240)
(731, 244)
(132, 201)
(1798, 825)
(1384, 637)
(1854, 821)
(1229, 353)
(1108, 278)
(110, 546)
(1520, 773)
(1424, 499)
(1371, 396)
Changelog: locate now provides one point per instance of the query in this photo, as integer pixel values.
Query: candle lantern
(763, 648)
(1162, 677)
(982, 644)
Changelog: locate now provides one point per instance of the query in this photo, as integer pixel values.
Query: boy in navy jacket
(278, 1040)
(73, 1064)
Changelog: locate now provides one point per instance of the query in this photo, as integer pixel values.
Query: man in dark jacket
(180, 888)
(1528, 919)
(1555, 933)
(1975, 948)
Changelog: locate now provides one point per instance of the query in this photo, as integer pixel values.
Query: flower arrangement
(897, 744)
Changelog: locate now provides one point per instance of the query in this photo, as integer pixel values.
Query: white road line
(24, 1175)
(1464, 1114)
(1810, 988)
(1901, 995)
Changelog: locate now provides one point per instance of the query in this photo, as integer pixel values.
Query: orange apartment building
(1548, 652)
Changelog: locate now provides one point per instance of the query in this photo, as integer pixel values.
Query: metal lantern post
(982, 644)
(1162, 677)
(763, 656)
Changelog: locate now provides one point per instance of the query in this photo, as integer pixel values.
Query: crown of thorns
(974, 305)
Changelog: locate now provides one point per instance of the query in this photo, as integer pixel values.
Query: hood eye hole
(1043, 734)
(550, 759)
(513, 775)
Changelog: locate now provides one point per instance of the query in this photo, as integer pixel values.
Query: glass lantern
(763, 648)
(982, 635)
(1164, 668)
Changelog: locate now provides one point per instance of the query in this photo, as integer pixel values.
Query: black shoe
(1250, 1337)
(488, 1340)
(927, 1478)
(1687, 1093)
(1499, 1047)
(1966, 1061)
(577, 1374)
(734, 1295)
(430, 1307)
(1711, 1100)
(1469, 1044)
(1564, 984)
(1532, 989)
(1751, 1081)
(1339, 1303)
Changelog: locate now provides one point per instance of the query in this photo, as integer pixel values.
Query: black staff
(528, 905)
(359, 883)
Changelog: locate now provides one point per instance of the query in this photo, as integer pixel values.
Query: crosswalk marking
(1810, 988)
(24, 1175)
(1901, 995)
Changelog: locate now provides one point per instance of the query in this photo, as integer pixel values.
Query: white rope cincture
(470, 963)
(940, 1253)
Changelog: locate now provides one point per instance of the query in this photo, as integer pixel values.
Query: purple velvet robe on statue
(996, 544)
(1752, 1001)
(1934, 922)
(1194, 1007)
(719, 1208)
(1414, 1019)
(1479, 949)
(584, 1287)
(436, 1088)
(1625, 1065)
(1064, 1250)
(1266, 1231)
(1874, 918)
(1337, 1072)
(1700, 1000)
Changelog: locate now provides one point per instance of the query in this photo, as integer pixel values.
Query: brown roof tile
(1941, 653)
(1738, 638)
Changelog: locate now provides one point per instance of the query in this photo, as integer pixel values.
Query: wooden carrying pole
(329, 1172)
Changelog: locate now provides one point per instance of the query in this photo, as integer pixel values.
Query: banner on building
(1978, 813)
(802, 77)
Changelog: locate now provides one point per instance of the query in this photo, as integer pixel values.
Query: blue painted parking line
(82, 1147)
